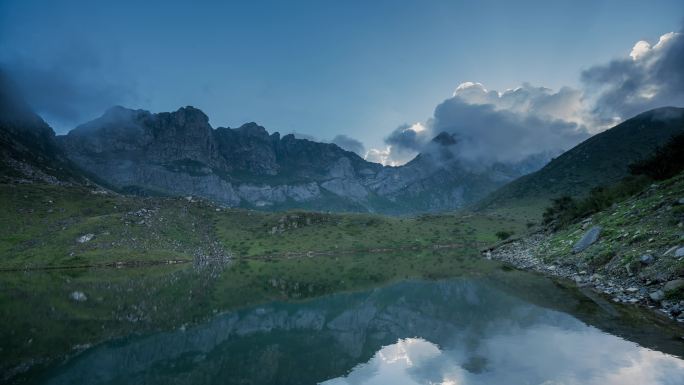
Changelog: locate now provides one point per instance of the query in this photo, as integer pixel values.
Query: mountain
(600, 160)
(179, 153)
(28, 148)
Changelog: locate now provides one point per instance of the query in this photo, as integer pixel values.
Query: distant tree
(559, 210)
(566, 210)
(665, 163)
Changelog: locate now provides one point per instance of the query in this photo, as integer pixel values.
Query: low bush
(566, 210)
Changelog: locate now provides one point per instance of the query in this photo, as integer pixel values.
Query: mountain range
(180, 154)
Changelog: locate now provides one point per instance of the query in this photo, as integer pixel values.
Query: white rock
(85, 238)
(78, 296)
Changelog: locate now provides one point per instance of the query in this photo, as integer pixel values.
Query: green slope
(650, 222)
(600, 160)
(40, 225)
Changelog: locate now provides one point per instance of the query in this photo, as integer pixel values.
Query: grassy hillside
(650, 222)
(44, 225)
(600, 160)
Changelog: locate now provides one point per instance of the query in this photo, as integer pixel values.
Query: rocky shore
(524, 254)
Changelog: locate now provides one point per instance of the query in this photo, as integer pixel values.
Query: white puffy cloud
(390, 155)
(652, 76)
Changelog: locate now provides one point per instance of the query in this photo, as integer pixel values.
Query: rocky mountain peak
(253, 129)
(190, 116)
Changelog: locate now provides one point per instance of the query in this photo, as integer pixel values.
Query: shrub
(503, 235)
(566, 210)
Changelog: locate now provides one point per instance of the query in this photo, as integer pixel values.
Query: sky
(359, 73)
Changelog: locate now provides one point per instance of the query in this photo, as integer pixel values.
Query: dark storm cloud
(485, 134)
(350, 144)
(489, 126)
(68, 87)
(653, 76)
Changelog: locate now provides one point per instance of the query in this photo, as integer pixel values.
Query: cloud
(652, 76)
(350, 144)
(490, 126)
(510, 126)
(403, 143)
(410, 137)
(68, 86)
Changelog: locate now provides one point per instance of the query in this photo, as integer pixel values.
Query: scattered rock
(670, 250)
(78, 296)
(646, 259)
(673, 285)
(588, 239)
(85, 238)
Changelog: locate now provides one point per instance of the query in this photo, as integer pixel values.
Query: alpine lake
(413, 317)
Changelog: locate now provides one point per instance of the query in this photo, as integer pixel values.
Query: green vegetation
(40, 226)
(667, 161)
(649, 222)
(566, 210)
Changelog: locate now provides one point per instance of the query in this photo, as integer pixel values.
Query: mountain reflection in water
(460, 331)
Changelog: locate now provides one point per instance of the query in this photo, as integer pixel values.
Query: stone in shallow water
(588, 239)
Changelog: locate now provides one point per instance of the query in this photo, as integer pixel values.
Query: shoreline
(522, 254)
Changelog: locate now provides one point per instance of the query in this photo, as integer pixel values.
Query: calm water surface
(461, 331)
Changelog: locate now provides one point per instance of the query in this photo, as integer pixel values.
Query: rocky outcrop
(179, 153)
(587, 240)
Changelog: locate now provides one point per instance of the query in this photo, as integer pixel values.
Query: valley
(527, 235)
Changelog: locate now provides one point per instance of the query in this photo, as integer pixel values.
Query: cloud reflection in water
(540, 354)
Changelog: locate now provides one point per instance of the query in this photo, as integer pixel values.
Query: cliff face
(179, 153)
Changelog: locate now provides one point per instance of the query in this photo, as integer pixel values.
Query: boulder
(679, 252)
(673, 285)
(670, 250)
(646, 259)
(85, 238)
(588, 239)
(657, 295)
